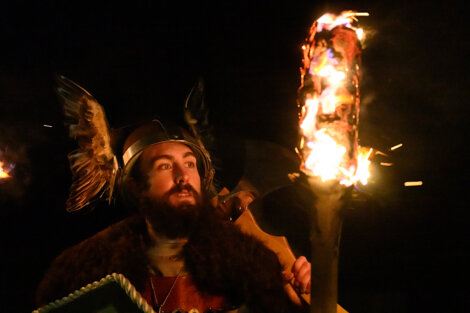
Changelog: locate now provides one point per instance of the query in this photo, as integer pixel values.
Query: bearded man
(177, 250)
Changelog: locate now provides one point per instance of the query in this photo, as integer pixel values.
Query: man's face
(172, 174)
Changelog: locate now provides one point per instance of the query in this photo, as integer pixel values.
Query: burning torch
(331, 157)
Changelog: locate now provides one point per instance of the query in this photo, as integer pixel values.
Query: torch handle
(278, 244)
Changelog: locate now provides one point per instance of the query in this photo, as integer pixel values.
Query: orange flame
(346, 18)
(324, 157)
(3, 171)
(361, 173)
(329, 138)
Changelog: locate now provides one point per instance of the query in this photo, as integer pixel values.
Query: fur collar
(222, 260)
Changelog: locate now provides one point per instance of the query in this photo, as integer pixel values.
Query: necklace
(160, 306)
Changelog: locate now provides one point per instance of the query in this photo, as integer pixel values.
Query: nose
(180, 175)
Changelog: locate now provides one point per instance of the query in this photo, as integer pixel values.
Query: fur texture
(222, 260)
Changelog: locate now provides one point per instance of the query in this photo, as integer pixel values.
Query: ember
(413, 183)
(329, 95)
(396, 147)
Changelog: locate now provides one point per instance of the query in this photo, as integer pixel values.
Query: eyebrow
(188, 154)
(170, 157)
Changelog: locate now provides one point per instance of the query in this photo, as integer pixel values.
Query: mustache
(172, 221)
(182, 187)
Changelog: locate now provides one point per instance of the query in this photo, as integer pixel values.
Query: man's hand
(298, 279)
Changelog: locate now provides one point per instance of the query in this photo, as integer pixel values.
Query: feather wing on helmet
(196, 115)
(93, 164)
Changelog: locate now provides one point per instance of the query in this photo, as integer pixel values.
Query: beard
(170, 220)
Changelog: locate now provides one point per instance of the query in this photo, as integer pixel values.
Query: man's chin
(173, 219)
(176, 201)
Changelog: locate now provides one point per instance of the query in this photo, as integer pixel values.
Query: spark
(396, 147)
(413, 183)
(380, 153)
(358, 14)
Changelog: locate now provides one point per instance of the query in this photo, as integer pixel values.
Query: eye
(163, 166)
(190, 164)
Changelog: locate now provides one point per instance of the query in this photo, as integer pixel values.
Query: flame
(329, 21)
(361, 173)
(5, 167)
(308, 124)
(324, 157)
(3, 171)
(326, 145)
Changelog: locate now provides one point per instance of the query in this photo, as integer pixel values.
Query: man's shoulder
(131, 225)
(117, 248)
(126, 231)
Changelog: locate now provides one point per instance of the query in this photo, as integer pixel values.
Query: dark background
(403, 248)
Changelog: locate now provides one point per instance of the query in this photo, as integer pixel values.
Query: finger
(301, 261)
(303, 278)
(287, 276)
(293, 296)
(302, 274)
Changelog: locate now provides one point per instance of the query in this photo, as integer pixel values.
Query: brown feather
(93, 164)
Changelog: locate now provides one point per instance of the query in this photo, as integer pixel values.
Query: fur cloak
(221, 259)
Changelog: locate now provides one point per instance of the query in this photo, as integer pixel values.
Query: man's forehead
(175, 149)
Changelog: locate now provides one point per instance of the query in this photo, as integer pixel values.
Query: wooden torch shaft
(325, 238)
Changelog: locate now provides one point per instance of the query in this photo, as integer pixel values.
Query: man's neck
(165, 254)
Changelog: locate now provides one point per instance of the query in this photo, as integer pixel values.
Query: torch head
(329, 98)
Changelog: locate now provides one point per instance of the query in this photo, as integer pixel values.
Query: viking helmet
(96, 166)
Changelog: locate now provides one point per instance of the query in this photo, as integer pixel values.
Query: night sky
(402, 249)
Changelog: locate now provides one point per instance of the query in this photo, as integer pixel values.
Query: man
(177, 251)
